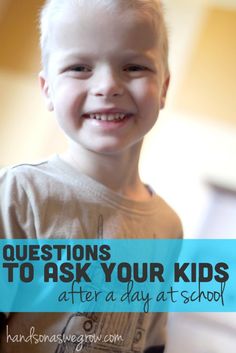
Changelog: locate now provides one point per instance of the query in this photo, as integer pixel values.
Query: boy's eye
(80, 68)
(135, 68)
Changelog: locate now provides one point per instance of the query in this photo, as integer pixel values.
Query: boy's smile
(104, 79)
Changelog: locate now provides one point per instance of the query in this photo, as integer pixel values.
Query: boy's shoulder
(29, 170)
(20, 172)
(19, 177)
(44, 177)
(21, 168)
(170, 219)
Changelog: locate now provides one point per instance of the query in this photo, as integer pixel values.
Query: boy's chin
(108, 150)
(111, 149)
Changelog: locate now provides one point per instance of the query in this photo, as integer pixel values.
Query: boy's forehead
(82, 28)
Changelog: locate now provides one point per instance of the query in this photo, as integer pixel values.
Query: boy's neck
(118, 172)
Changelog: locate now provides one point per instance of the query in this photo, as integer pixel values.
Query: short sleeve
(16, 218)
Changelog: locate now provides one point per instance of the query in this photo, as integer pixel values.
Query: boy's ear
(44, 85)
(165, 87)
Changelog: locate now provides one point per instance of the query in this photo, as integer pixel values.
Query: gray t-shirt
(52, 200)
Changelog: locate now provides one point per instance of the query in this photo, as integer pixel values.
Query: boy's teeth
(107, 117)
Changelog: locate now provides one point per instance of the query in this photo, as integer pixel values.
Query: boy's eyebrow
(149, 56)
(136, 55)
(125, 55)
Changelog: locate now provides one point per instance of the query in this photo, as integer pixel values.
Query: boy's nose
(107, 84)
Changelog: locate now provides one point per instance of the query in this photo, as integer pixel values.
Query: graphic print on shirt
(129, 326)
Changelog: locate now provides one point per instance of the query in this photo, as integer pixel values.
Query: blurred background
(190, 155)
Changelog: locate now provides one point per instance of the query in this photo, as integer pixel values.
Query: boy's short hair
(152, 8)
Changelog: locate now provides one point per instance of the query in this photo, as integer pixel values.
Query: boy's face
(105, 79)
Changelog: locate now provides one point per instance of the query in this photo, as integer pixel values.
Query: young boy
(105, 75)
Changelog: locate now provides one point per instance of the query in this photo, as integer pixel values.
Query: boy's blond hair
(151, 8)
